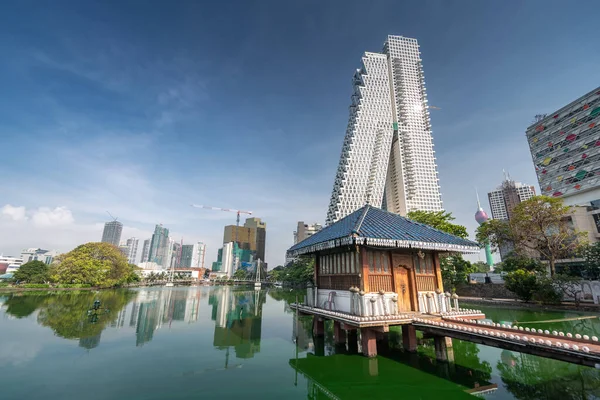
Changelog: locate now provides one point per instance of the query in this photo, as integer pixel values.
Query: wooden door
(402, 283)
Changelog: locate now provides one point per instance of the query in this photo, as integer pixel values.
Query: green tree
(240, 274)
(537, 225)
(96, 264)
(133, 275)
(441, 220)
(522, 283)
(514, 262)
(33, 272)
(591, 255)
(455, 270)
(480, 266)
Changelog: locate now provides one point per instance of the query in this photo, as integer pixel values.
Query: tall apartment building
(304, 231)
(565, 148)
(251, 236)
(112, 233)
(159, 247)
(146, 251)
(506, 196)
(503, 201)
(387, 156)
(192, 255)
(132, 247)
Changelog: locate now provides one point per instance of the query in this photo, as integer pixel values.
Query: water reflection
(238, 320)
(530, 378)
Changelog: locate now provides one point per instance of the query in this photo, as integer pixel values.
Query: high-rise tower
(387, 154)
(159, 247)
(112, 232)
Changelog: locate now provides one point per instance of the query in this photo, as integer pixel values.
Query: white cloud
(44, 216)
(13, 213)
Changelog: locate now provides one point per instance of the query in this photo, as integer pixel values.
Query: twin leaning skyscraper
(387, 157)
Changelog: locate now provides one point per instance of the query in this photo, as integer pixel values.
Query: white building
(388, 147)
(9, 264)
(32, 254)
(228, 266)
(507, 196)
(132, 249)
(198, 254)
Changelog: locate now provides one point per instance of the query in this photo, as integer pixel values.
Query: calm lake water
(226, 342)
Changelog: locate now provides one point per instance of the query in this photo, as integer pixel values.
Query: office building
(192, 255)
(261, 235)
(159, 247)
(146, 251)
(304, 231)
(565, 148)
(174, 254)
(387, 155)
(506, 196)
(503, 201)
(132, 249)
(251, 236)
(33, 254)
(112, 233)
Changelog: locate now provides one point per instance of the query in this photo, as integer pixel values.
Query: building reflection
(152, 309)
(238, 320)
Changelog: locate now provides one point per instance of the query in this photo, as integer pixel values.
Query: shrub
(547, 291)
(522, 283)
(35, 286)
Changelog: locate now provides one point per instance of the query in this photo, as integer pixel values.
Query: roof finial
(478, 203)
(505, 174)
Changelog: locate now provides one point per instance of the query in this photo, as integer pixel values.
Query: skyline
(102, 111)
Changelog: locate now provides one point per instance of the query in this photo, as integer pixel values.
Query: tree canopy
(441, 220)
(96, 264)
(33, 272)
(591, 255)
(537, 226)
(297, 273)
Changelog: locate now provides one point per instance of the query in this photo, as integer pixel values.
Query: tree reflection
(529, 377)
(67, 314)
(22, 305)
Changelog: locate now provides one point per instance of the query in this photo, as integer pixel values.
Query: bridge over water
(463, 324)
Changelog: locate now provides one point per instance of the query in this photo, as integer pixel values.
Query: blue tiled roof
(373, 226)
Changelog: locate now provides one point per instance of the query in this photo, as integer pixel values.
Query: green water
(224, 342)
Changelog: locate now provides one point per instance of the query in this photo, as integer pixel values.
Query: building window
(424, 265)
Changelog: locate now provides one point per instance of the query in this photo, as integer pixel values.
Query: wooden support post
(449, 349)
(369, 342)
(353, 341)
(339, 334)
(440, 348)
(409, 338)
(318, 327)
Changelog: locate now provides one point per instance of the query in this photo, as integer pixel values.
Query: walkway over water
(463, 324)
(576, 349)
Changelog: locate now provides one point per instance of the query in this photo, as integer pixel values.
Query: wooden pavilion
(373, 263)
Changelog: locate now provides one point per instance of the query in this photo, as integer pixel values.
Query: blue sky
(142, 108)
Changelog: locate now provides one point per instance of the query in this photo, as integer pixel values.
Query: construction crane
(114, 218)
(237, 224)
(434, 107)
